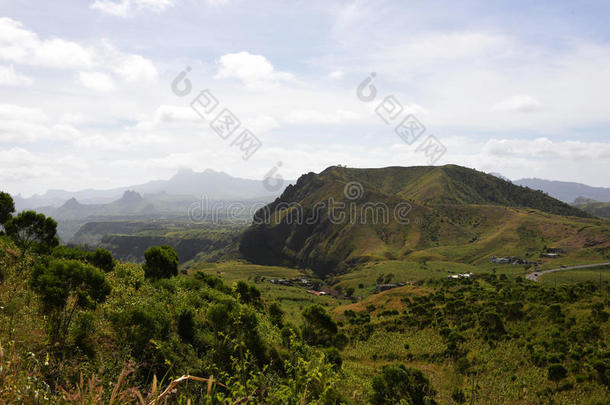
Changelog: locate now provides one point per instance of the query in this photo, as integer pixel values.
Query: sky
(92, 96)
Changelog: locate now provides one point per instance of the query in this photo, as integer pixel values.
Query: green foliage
(247, 293)
(102, 259)
(7, 207)
(556, 372)
(63, 282)
(399, 384)
(160, 262)
(32, 230)
(318, 329)
(276, 314)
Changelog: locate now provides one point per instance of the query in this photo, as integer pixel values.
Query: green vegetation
(456, 215)
(30, 230)
(161, 262)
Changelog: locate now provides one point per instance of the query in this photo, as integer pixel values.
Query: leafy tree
(31, 229)
(160, 262)
(276, 314)
(399, 384)
(350, 291)
(7, 207)
(556, 373)
(65, 286)
(102, 259)
(248, 294)
(318, 327)
(492, 326)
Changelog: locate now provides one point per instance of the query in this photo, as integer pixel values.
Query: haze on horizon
(86, 101)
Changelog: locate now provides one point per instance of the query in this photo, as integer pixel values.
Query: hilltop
(416, 213)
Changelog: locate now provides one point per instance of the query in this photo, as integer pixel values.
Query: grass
(564, 277)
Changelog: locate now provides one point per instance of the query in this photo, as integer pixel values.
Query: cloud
(96, 81)
(126, 8)
(518, 103)
(254, 71)
(24, 124)
(318, 117)
(337, 74)
(22, 46)
(8, 77)
(135, 68)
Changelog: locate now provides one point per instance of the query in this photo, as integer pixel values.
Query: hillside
(599, 209)
(447, 212)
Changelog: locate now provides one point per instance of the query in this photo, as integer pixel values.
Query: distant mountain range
(452, 213)
(185, 183)
(566, 191)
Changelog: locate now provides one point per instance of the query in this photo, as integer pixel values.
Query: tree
(7, 207)
(31, 229)
(276, 315)
(556, 373)
(102, 259)
(318, 327)
(350, 291)
(65, 286)
(397, 383)
(160, 262)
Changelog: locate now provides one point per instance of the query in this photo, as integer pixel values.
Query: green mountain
(599, 209)
(341, 217)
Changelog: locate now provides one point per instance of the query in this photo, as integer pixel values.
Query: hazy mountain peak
(131, 196)
(71, 204)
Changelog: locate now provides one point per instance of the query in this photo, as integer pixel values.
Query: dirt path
(534, 276)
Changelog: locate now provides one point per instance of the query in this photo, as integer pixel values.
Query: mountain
(566, 191)
(412, 213)
(599, 209)
(214, 185)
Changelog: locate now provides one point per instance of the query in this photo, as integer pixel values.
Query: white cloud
(318, 117)
(19, 45)
(22, 46)
(518, 103)
(135, 68)
(337, 74)
(254, 71)
(125, 8)
(96, 81)
(24, 124)
(261, 124)
(8, 77)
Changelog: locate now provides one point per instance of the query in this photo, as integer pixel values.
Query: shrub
(161, 262)
(67, 280)
(102, 259)
(397, 383)
(276, 315)
(556, 372)
(318, 328)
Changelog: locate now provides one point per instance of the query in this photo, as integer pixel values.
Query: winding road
(534, 276)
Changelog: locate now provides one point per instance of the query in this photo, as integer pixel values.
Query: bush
(61, 280)
(398, 383)
(161, 262)
(318, 328)
(276, 315)
(102, 259)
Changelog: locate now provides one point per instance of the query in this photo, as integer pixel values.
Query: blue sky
(516, 87)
